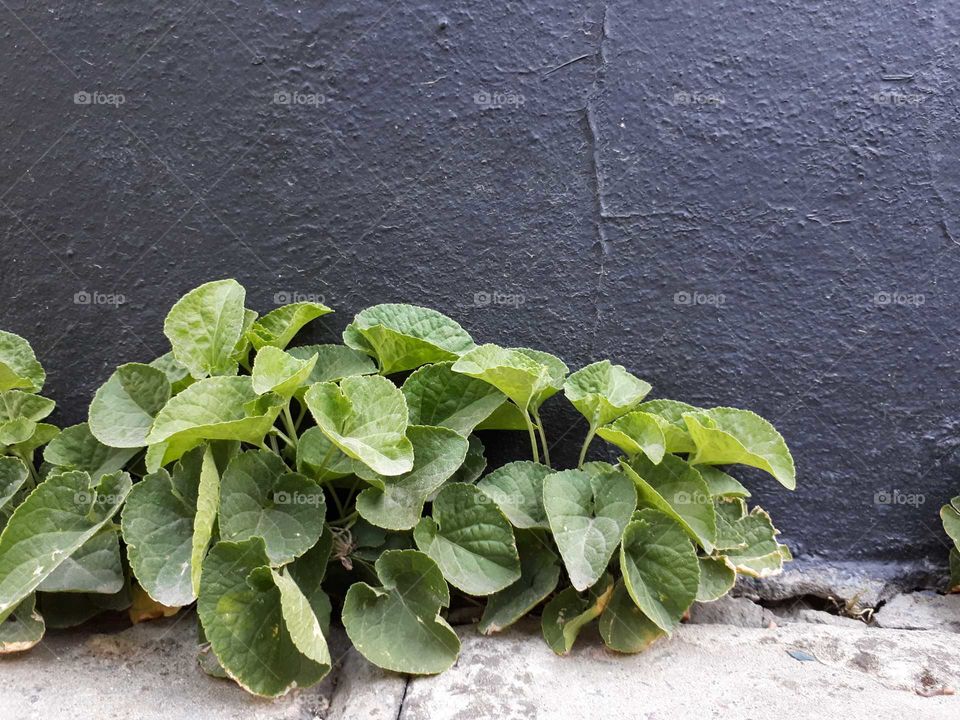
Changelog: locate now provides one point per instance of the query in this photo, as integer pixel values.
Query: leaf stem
(586, 445)
(533, 436)
(543, 438)
(289, 425)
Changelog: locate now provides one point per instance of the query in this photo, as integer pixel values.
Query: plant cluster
(950, 514)
(271, 485)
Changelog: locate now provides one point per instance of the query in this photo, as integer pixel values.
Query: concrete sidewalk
(840, 669)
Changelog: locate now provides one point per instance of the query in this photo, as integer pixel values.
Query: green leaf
(404, 337)
(438, 396)
(951, 520)
(95, 567)
(334, 362)
(42, 434)
(587, 514)
(728, 512)
(220, 408)
(278, 327)
(636, 433)
(302, 623)
(677, 489)
(398, 626)
(670, 416)
(177, 375)
(603, 392)
(517, 488)
(473, 464)
(396, 503)
(245, 621)
(556, 373)
(660, 567)
(759, 554)
(23, 629)
(319, 458)
(511, 371)
(13, 475)
(954, 570)
(506, 417)
(721, 484)
(279, 372)
(19, 369)
(260, 497)
(539, 575)
(308, 572)
(59, 516)
(19, 414)
(624, 627)
(124, 407)
(727, 436)
(470, 540)
(208, 505)
(569, 612)
(67, 610)
(205, 327)
(366, 417)
(717, 577)
(77, 449)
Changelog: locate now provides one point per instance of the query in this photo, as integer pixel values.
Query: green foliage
(244, 467)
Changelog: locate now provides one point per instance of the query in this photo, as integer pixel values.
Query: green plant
(950, 514)
(276, 484)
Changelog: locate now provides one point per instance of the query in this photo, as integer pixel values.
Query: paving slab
(921, 611)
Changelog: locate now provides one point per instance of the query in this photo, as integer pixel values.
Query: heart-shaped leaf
(396, 503)
(398, 626)
(728, 436)
(366, 417)
(205, 326)
(19, 369)
(334, 362)
(438, 396)
(470, 540)
(278, 327)
(260, 497)
(517, 488)
(177, 375)
(569, 612)
(603, 392)
(587, 514)
(19, 414)
(279, 372)
(556, 374)
(77, 449)
(717, 577)
(123, 409)
(721, 484)
(515, 374)
(94, 567)
(636, 433)
(404, 337)
(624, 627)
(670, 413)
(660, 567)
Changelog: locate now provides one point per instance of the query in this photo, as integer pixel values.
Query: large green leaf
(660, 567)
(556, 373)
(205, 327)
(279, 372)
(95, 567)
(396, 503)
(366, 417)
(77, 449)
(260, 497)
(517, 488)
(19, 369)
(587, 514)
(278, 327)
(677, 489)
(219, 408)
(305, 628)
(603, 392)
(58, 517)
(23, 629)
(470, 540)
(717, 577)
(404, 337)
(398, 626)
(539, 575)
(624, 627)
(13, 475)
(515, 374)
(568, 613)
(669, 414)
(727, 436)
(250, 627)
(636, 433)
(208, 506)
(123, 409)
(334, 362)
(438, 396)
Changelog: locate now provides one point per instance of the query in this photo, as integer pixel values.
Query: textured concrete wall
(750, 204)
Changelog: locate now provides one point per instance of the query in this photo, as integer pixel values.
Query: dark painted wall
(750, 204)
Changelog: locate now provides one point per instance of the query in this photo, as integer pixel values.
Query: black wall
(746, 203)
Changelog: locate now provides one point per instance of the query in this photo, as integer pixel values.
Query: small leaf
(279, 372)
(94, 567)
(19, 414)
(539, 575)
(717, 577)
(471, 541)
(624, 627)
(760, 555)
(721, 484)
(23, 629)
(208, 505)
(569, 612)
(398, 626)
(670, 416)
(603, 392)
(587, 514)
(404, 337)
(205, 326)
(278, 327)
(636, 433)
(366, 417)
(660, 567)
(42, 434)
(511, 371)
(124, 407)
(438, 396)
(334, 362)
(517, 488)
(19, 369)
(727, 436)
(77, 449)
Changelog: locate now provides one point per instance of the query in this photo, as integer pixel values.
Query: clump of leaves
(950, 514)
(277, 487)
